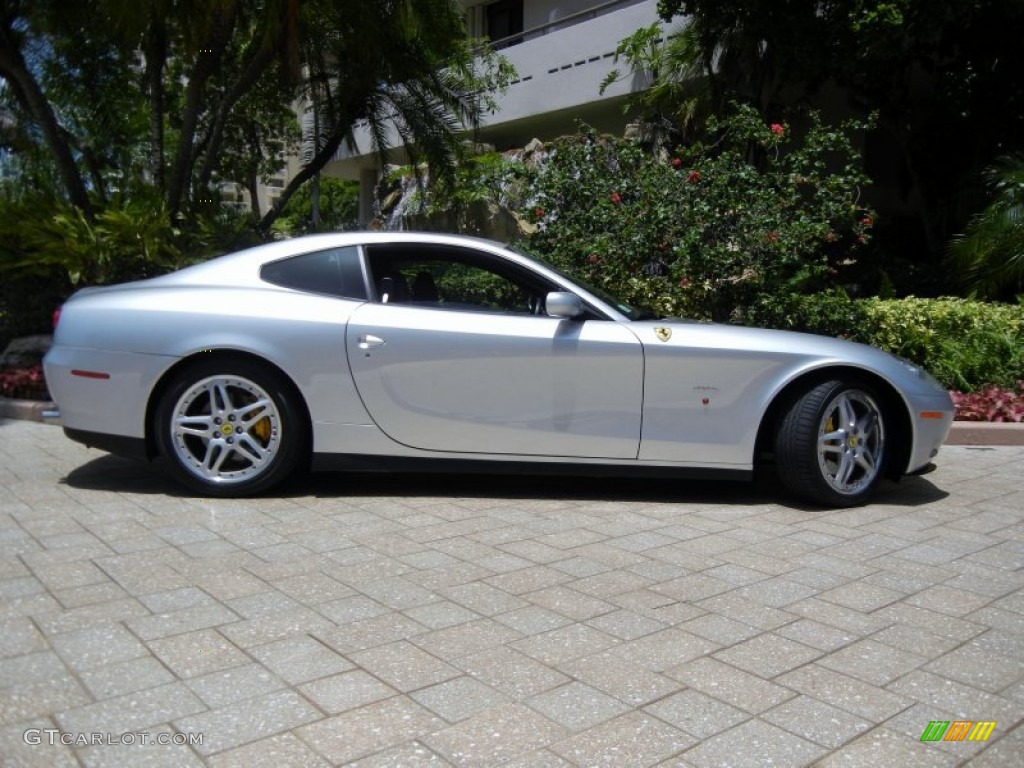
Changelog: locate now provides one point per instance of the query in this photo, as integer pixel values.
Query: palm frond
(988, 257)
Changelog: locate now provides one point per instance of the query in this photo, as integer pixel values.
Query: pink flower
(592, 258)
(676, 162)
(867, 221)
(778, 129)
(684, 282)
(616, 198)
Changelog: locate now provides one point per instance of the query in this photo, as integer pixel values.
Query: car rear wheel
(230, 428)
(831, 444)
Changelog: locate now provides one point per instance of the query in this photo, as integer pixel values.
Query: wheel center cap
(226, 429)
(852, 442)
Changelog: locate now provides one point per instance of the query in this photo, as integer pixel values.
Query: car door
(465, 361)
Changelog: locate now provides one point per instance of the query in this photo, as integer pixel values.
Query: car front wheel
(230, 428)
(830, 446)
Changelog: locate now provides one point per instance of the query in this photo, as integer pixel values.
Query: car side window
(453, 279)
(334, 272)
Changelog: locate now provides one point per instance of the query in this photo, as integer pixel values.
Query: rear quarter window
(334, 272)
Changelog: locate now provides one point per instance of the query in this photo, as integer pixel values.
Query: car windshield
(630, 311)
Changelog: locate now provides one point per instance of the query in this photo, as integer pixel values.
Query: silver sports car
(389, 350)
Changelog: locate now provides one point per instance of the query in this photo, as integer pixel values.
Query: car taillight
(56, 317)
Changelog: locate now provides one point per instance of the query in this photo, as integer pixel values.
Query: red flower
(538, 212)
(693, 177)
(684, 282)
(676, 162)
(778, 129)
(867, 221)
(616, 198)
(592, 258)
(773, 236)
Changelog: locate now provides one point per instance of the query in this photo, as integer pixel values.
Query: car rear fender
(227, 356)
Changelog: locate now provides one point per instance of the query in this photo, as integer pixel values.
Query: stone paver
(445, 621)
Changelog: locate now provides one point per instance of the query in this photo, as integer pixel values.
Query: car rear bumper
(100, 391)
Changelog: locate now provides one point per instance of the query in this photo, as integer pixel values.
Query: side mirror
(563, 304)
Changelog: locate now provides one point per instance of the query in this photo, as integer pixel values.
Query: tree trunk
(156, 59)
(257, 66)
(308, 172)
(30, 95)
(252, 178)
(253, 185)
(207, 62)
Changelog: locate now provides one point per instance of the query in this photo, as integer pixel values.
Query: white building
(561, 49)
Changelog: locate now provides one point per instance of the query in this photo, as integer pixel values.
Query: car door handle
(368, 341)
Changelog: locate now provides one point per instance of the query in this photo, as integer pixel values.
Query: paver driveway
(404, 621)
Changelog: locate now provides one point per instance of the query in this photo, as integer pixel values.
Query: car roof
(242, 267)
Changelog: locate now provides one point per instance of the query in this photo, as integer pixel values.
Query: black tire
(230, 427)
(830, 447)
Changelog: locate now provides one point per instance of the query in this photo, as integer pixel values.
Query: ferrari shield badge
(663, 333)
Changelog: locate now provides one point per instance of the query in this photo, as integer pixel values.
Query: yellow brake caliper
(262, 430)
(830, 427)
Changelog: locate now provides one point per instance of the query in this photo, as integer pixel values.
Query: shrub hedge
(967, 345)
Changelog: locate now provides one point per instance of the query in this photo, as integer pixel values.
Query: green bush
(49, 248)
(125, 240)
(707, 231)
(966, 344)
(989, 257)
(339, 209)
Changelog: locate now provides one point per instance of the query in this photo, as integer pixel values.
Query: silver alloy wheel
(851, 442)
(225, 429)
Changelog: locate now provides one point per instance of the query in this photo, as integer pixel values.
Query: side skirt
(326, 462)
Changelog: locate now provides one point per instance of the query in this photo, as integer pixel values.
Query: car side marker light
(89, 374)
(931, 414)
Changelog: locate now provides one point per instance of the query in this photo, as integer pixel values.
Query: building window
(503, 20)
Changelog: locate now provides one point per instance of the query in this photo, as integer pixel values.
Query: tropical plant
(967, 345)
(671, 89)
(338, 208)
(751, 211)
(991, 404)
(989, 256)
(943, 76)
(26, 382)
(209, 99)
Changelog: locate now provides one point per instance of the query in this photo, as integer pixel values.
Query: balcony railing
(566, 21)
(559, 67)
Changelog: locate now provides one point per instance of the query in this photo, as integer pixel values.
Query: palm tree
(401, 67)
(989, 256)
(404, 68)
